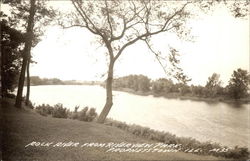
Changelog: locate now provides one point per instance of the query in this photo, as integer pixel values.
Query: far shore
(170, 95)
(177, 96)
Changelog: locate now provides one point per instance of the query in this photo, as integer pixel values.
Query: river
(227, 124)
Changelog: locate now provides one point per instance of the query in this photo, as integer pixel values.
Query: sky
(220, 45)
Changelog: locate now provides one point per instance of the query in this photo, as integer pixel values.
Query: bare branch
(123, 31)
(108, 17)
(84, 19)
(125, 27)
(175, 14)
(157, 56)
(147, 34)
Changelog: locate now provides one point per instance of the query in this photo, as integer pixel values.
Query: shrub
(59, 111)
(238, 153)
(10, 95)
(85, 114)
(74, 115)
(30, 105)
(82, 115)
(44, 110)
(91, 114)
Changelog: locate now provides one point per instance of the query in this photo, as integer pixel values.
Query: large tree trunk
(3, 91)
(26, 52)
(109, 96)
(28, 83)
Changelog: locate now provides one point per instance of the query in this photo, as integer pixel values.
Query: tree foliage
(163, 85)
(135, 82)
(239, 84)
(213, 85)
(11, 46)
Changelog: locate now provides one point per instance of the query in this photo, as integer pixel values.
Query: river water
(227, 124)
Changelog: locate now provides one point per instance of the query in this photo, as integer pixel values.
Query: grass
(20, 127)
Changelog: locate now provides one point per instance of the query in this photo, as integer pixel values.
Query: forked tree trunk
(26, 52)
(27, 100)
(109, 96)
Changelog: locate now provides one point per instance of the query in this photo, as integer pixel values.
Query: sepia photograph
(127, 80)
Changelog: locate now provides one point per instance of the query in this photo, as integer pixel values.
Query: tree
(135, 82)
(26, 53)
(239, 84)
(25, 16)
(163, 85)
(198, 91)
(28, 82)
(11, 41)
(119, 24)
(213, 85)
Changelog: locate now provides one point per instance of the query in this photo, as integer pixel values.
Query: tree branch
(156, 55)
(125, 27)
(108, 17)
(86, 19)
(147, 34)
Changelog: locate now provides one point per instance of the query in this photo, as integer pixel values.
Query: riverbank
(25, 127)
(187, 97)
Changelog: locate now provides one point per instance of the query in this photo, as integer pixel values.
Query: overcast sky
(221, 45)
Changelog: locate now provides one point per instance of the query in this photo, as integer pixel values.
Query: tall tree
(26, 53)
(28, 82)
(11, 41)
(119, 24)
(31, 17)
(239, 84)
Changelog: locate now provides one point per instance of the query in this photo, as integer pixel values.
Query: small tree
(239, 84)
(213, 85)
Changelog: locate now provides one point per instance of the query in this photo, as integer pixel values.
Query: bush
(74, 115)
(44, 110)
(91, 114)
(10, 95)
(30, 105)
(82, 115)
(85, 114)
(238, 153)
(59, 111)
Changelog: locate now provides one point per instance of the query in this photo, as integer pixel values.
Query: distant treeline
(35, 80)
(238, 86)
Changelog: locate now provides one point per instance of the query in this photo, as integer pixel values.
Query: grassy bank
(19, 127)
(190, 145)
(185, 97)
